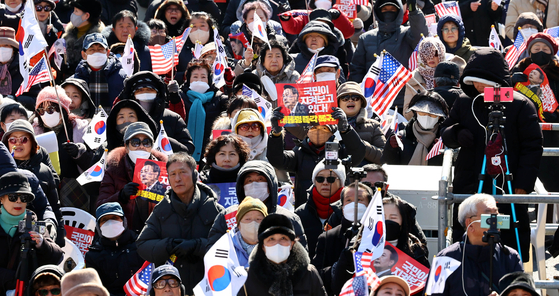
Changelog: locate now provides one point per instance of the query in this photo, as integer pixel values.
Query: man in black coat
(467, 130)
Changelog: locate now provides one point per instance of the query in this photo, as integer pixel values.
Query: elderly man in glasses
(166, 281)
(117, 185)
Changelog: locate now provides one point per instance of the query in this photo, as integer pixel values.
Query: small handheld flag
(94, 173)
(441, 268)
(96, 132)
(162, 144)
(308, 74)
(374, 230)
(138, 284)
(127, 59)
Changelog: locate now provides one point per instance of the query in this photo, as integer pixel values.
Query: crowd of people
(217, 133)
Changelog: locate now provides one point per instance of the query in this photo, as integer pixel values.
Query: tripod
(28, 258)
(496, 127)
(492, 236)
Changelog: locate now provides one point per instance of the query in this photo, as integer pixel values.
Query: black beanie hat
(273, 224)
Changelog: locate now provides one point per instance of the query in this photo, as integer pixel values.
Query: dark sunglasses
(160, 284)
(247, 126)
(53, 291)
(45, 8)
(350, 98)
(13, 197)
(135, 142)
(21, 140)
(50, 109)
(330, 180)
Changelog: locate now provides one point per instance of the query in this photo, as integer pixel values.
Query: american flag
(39, 73)
(515, 50)
(554, 32)
(364, 279)
(392, 77)
(308, 74)
(449, 7)
(436, 150)
(413, 58)
(162, 55)
(138, 284)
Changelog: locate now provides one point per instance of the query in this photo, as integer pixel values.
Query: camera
(27, 225)
(501, 221)
(331, 155)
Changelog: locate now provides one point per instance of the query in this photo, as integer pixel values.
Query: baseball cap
(137, 128)
(93, 38)
(327, 61)
(110, 208)
(164, 270)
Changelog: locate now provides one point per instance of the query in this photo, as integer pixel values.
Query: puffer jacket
(119, 172)
(463, 47)
(287, 75)
(172, 220)
(115, 261)
(140, 40)
(335, 41)
(303, 158)
(370, 133)
(302, 274)
(74, 46)
(226, 220)
(517, 7)
(114, 76)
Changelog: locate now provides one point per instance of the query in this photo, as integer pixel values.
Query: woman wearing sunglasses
(321, 202)
(248, 124)
(20, 141)
(48, 117)
(15, 194)
(48, 20)
(117, 185)
(45, 281)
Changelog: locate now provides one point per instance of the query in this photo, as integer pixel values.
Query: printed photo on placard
(537, 89)
(226, 192)
(153, 179)
(307, 103)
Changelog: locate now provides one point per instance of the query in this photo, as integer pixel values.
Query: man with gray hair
(472, 277)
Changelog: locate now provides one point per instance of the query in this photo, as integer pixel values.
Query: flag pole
(57, 97)
(173, 64)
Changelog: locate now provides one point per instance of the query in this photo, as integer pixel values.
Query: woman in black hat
(15, 194)
(517, 284)
(280, 265)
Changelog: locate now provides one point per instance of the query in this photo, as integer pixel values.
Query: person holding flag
(10, 76)
(166, 281)
(50, 24)
(78, 91)
(280, 265)
(250, 213)
(114, 255)
(428, 111)
(529, 24)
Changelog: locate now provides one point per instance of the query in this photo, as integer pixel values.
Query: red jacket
(299, 18)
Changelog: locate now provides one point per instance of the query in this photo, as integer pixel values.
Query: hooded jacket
(178, 28)
(87, 107)
(335, 40)
(303, 158)
(113, 7)
(114, 76)
(234, 13)
(226, 219)
(140, 40)
(463, 47)
(370, 133)
(114, 137)
(519, 9)
(174, 125)
(50, 268)
(522, 132)
(192, 5)
(74, 45)
(172, 220)
(398, 40)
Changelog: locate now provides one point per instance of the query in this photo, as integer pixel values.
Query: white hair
(468, 207)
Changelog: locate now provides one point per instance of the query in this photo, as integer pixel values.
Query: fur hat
(250, 204)
(339, 171)
(82, 281)
(545, 38)
(93, 7)
(274, 224)
(48, 94)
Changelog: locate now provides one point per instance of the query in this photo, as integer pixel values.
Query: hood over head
(486, 64)
(393, 25)
(264, 168)
(114, 137)
(461, 31)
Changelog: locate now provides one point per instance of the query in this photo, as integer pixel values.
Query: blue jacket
(242, 255)
(114, 76)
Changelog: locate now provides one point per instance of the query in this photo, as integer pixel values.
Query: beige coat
(516, 7)
(411, 92)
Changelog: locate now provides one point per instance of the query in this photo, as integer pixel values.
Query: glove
(284, 17)
(339, 114)
(346, 260)
(127, 191)
(411, 5)
(229, 77)
(465, 138)
(276, 117)
(518, 77)
(185, 247)
(334, 13)
(71, 148)
(394, 142)
(173, 86)
(284, 8)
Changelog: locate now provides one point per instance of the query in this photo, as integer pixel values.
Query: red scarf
(322, 203)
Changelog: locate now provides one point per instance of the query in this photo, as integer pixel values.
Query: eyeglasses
(21, 140)
(158, 32)
(135, 142)
(160, 284)
(45, 8)
(50, 109)
(172, 10)
(330, 180)
(247, 126)
(45, 292)
(350, 98)
(13, 197)
(453, 29)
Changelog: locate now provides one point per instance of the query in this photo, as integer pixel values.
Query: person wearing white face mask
(10, 77)
(101, 69)
(114, 254)
(318, 36)
(117, 184)
(250, 214)
(420, 134)
(280, 265)
(327, 69)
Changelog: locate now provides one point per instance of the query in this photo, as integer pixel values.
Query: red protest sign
(153, 180)
(402, 265)
(80, 237)
(239, 43)
(347, 7)
(307, 103)
(538, 90)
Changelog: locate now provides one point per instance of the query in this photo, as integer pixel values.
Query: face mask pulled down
(258, 190)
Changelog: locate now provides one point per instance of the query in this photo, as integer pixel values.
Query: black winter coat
(303, 158)
(172, 220)
(478, 23)
(115, 261)
(449, 93)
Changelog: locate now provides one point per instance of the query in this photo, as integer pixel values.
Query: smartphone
(332, 149)
(506, 94)
(503, 221)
